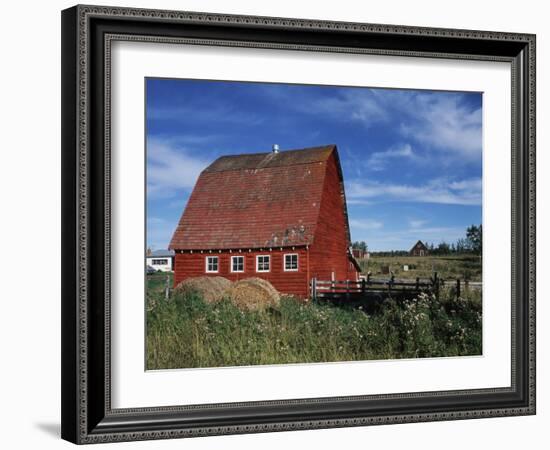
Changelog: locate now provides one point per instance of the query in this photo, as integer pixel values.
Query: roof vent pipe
(275, 148)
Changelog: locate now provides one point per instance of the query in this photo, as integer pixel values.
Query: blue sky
(411, 159)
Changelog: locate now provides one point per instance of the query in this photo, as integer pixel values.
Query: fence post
(314, 289)
(417, 283)
(457, 288)
(167, 288)
(347, 289)
(363, 287)
(436, 286)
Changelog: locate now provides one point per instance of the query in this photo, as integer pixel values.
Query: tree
(474, 238)
(462, 246)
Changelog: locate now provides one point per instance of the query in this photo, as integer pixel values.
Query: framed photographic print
(276, 224)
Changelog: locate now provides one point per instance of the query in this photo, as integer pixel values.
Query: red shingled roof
(255, 201)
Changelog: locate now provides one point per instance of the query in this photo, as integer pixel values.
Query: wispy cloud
(439, 121)
(416, 223)
(442, 122)
(358, 202)
(465, 192)
(379, 160)
(171, 167)
(366, 224)
(358, 105)
(214, 114)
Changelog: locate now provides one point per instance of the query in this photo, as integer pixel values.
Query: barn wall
(295, 283)
(329, 251)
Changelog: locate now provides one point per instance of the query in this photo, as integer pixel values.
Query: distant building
(419, 249)
(160, 260)
(359, 253)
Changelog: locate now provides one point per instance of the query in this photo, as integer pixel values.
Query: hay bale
(211, 289)
(253, 294)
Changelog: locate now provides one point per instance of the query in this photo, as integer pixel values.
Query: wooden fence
(388, 287)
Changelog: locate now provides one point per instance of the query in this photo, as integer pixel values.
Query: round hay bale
(253, 294)
(211, 289)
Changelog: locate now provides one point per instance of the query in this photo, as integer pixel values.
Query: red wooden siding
(329, 251)
(291, 282)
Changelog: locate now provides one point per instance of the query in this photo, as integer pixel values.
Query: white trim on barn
(263, 263)
(212, 264)
(291, 269)
(232, 264)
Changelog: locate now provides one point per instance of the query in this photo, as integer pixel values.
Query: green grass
(465, 267)
(184, 331)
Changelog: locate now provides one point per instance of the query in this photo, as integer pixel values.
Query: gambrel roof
(257, 200)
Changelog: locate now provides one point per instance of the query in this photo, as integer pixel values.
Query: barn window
(291, 262)
(262, 263)
(159, 262)
(237, 264)
(211, 263)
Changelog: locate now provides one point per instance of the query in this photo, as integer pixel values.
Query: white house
(162, 260)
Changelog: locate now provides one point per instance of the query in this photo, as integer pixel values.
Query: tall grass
(187, 332)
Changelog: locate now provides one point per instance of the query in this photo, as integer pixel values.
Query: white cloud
(366, 224)
(465, 192)
(171, 167)
(358, 104)
(357, 201)
(355, 104)
(380, 160)
(442, 122)
(415, 223)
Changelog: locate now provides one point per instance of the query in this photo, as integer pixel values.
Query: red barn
(280, 216)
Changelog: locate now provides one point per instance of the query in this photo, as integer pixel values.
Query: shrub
(187, 331)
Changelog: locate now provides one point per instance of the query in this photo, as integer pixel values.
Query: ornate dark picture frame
(87, 33)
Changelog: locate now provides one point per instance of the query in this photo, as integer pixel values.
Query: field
(184, 331)
(465, 267)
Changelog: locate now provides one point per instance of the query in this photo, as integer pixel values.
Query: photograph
(281, 218)
(298, 224)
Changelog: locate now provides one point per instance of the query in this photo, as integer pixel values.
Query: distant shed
(419, 249)
(360, 253)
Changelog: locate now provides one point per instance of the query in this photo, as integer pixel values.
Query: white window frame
(159, 262)
(297, 262)
(217, 264)
(258, 263)
(231, 267)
